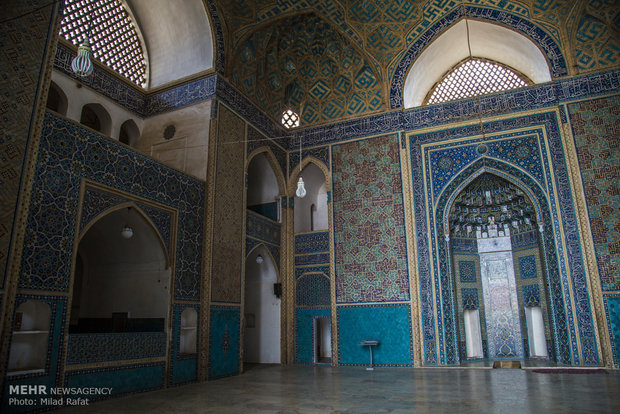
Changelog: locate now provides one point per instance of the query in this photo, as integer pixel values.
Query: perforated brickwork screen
(113, 37)
(476, 77)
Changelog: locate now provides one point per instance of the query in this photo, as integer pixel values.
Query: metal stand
(369, 344)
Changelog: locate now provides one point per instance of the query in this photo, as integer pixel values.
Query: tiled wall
(369, 228)
(70, 153)
(390, 324)
(596, 129)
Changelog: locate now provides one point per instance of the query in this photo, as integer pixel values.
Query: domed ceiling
(286, 50)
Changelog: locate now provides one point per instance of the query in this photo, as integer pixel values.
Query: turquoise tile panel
(391, 325)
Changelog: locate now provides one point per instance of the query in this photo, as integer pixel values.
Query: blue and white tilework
(70, 152)
(90, 348)
(536, 179)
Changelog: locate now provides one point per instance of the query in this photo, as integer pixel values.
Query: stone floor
(300, 389)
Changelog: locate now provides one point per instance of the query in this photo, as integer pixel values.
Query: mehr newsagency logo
(42, 395)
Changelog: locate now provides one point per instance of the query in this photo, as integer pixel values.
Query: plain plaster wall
(262, 182)
(187, 149)
(262, 342)
(316, 193)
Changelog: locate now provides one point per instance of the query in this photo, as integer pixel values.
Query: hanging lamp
(81, 64)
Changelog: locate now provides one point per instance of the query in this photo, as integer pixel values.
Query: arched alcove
(96, 117)
(501, 300)
(262, 309)
(129, 132)
(263, 190)
(30, 337)
(57, 100)
(487, 40)
(307, 217)
(125, 282)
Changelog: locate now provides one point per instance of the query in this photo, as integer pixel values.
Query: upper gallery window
(290, 118)
(113, 36)
(475, 77)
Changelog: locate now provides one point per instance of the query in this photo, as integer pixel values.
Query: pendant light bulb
(301, 190)
(127, 232)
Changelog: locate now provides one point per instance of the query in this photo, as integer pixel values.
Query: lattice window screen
(476, 77)
(113, 38)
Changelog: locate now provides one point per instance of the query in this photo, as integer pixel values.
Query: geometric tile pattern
(109, 85)
(467, 271)
(596, 40)
(100, 347)
(277, 147)
(527, 267)
(70, 152)
(321, 154)
(304, 61)
(557, 223)
(510, 102)
(96, 201)
(22, 47)
(596, 128)
(369, 226)
(389, 324)
(531, 295)
(263, 229)
(470, 299)
(316, 242)
(506, 13)
(228, 209)
(313, 290)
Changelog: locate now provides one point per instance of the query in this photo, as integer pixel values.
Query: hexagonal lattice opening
(475, 77)
(290, 118)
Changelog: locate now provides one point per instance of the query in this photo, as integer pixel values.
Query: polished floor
(294, 389)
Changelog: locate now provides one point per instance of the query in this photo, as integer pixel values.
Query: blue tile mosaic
(96, 201)
(321, 154)
(548, 45)
(183, 366)
(224, 345)
(317, 242)
(527, 267)
(304, 332)
(612, 314)
(369, 225)
(103, 347)
(132, 98)
(467, 271)
(543, 193)
(179, 96)
(389, 324)
(524, 240)
(313, 289)
(299, 271)
(531, 295)
(470, 298)
(464, 245)
(70, 152)
(262, 228)
(277, 147)
(311, 259)
(122, 379)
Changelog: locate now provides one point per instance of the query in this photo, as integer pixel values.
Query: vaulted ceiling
(335, 59)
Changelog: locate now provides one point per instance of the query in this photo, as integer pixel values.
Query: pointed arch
(141, 213)
(273, 162)
(495, 171)
(292, 181)
(530, 186)
(545, 42)
(275, 264)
